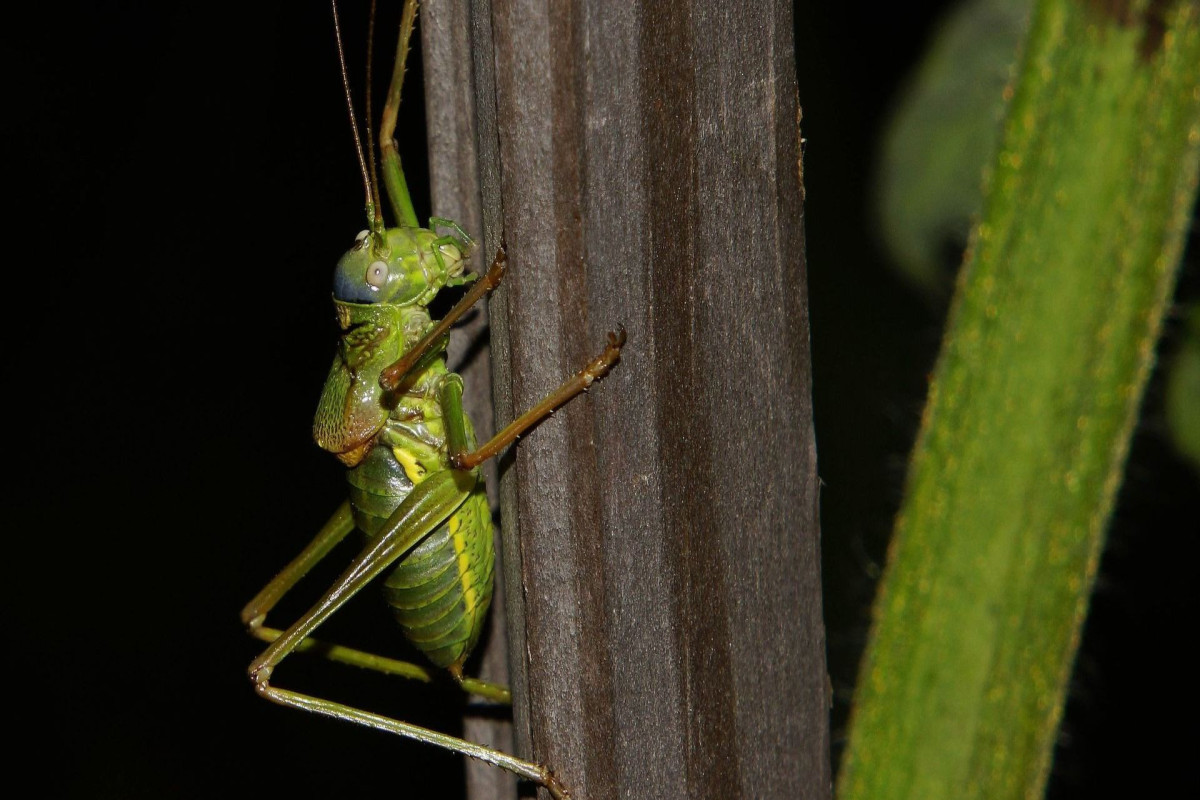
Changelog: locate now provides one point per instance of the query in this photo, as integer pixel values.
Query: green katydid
(392, 413)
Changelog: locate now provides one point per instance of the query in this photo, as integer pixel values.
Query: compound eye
(377, 274)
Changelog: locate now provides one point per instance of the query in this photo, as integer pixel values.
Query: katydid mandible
(392, 413)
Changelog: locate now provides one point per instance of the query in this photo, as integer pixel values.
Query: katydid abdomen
(440, 591)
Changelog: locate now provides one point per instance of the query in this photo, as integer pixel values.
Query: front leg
(392, 376)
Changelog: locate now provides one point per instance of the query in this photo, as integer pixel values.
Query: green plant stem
(1024, 437)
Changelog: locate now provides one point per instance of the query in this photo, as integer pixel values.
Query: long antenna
(372, 212)
(371, 107)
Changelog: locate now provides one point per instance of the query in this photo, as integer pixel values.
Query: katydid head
(408, 268)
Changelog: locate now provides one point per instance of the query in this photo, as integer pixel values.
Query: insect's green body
(440, 591)
(392, 413)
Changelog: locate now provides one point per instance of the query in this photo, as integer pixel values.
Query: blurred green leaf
(941, 135)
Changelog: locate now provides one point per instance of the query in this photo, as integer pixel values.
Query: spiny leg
(388, 666)
(465, 242)
(524, 769)
(393, 172)
(429, 504)
(328, 537)
(452, 408)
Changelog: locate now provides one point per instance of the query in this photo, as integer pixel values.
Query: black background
(182, 182)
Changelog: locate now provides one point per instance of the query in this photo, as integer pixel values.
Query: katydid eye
(377, 274)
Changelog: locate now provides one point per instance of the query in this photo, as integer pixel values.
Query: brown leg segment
(597, 368)
(394, 374)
